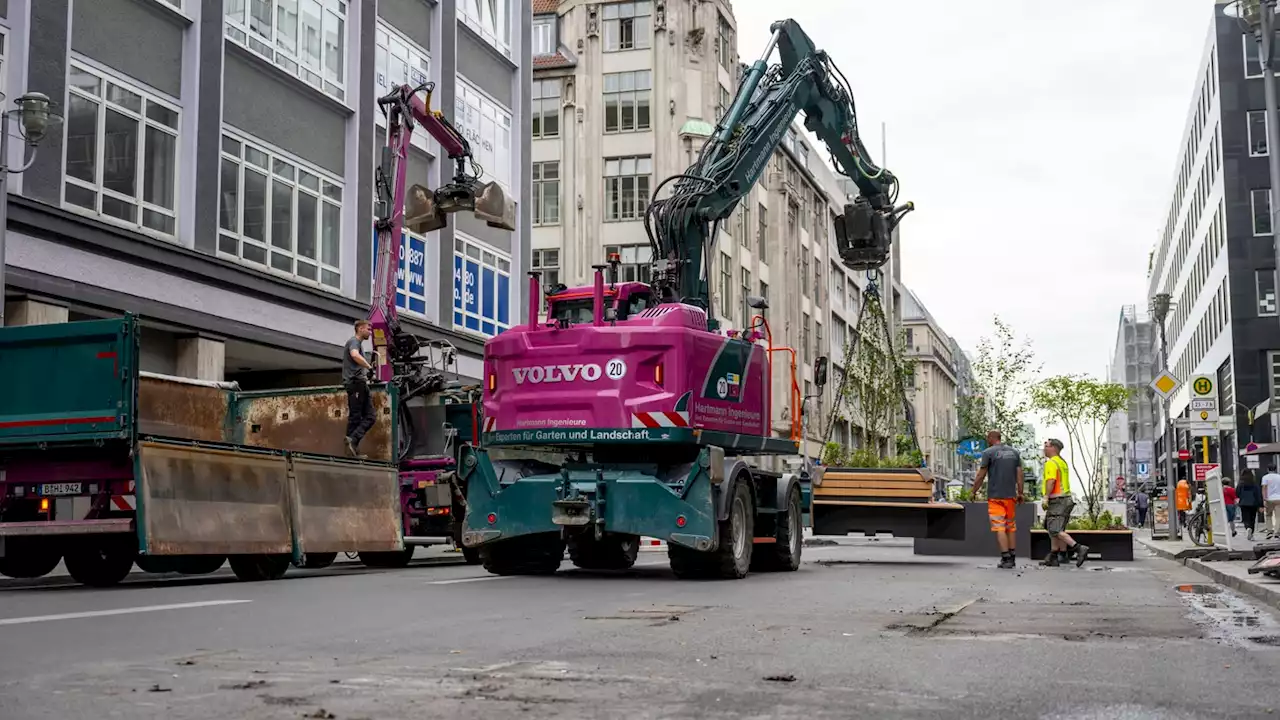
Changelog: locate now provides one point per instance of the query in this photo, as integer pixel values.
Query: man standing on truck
(1003, 465)
(356, 373)
(1058, 503)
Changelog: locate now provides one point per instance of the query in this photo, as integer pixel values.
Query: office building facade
(215, 172)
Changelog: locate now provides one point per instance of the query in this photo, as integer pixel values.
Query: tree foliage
(869, 392)
(1003, 374)
(1083, 406)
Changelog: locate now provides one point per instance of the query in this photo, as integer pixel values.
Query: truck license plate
(60, 489)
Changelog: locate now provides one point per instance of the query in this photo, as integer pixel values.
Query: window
(818, 347)
(745, 228)
(762, 235)
(547, 262)
(726, 287)
(487, 126)
(305, 38)
(724, 43)
(839, 335)
(4, 48)
(1261, 203)
(804, 274)
(1266, 284)
(481, 287)
(279, 213)
(804, 338)
(491, 19)
(793, 232)
(1257, 133)
(626, 26)
(545, 108)
(121, 152)
(745, 277)
(837, 288)
(722, 105)
(626, 101)
(397, 61)
(626, 187)
(636, 262)
(546, 193)
(544, 36)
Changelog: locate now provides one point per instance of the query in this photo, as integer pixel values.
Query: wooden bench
(885, 500)
(1115, 545)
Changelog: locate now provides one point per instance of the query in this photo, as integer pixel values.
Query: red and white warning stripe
(652, 544)
(489, 423)
(124, 502)
(659, 419)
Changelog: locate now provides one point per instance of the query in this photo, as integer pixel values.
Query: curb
(1265, 593)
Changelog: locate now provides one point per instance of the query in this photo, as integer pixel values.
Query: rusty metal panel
(345, 506)
(312, 421)
(169, 407)
(198, 501)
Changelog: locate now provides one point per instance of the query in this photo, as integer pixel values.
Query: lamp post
(35, 120)
(1160, 305)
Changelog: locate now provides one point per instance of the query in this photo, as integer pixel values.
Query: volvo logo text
(557, 373)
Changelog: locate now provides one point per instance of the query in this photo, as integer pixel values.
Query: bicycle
(1197, 525)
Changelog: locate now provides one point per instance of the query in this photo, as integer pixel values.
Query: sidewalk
(1231, 573)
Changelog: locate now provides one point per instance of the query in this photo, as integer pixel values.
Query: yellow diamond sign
(1165, 384)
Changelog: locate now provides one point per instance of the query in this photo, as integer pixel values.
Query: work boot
(1006, 561)
(1081, 552)
(1051, 561)
(351, 448)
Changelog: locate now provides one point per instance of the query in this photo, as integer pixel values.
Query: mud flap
(203, 501)
(345, 507)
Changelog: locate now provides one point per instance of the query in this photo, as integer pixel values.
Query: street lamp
(35, 119)
(1161, 303)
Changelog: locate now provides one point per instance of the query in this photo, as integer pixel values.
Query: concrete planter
(1115, 545)
(979, 541)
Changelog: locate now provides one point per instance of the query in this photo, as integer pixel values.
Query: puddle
(1230, 618)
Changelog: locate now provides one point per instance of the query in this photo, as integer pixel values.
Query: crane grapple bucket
(487, 201)
(422, 213)
(494, 207)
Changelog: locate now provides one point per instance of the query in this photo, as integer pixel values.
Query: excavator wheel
(27, 558)
(611, 552)
(732, 559)
(783, 555)
(529, 555)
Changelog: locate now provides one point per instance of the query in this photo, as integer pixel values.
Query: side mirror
(611, 314)
(820, 371)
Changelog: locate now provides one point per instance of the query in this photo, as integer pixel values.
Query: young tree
(1083, 406)
(1003, 374)
(873, 380)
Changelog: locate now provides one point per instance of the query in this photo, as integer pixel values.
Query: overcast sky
(1037, 139)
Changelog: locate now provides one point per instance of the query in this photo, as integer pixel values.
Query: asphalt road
(862, 630)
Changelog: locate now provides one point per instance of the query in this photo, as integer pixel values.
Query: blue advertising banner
(410, 276)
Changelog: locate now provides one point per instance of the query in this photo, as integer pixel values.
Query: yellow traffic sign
(1165, 384)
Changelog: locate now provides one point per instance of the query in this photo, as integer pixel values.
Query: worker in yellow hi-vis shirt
(1058, 504)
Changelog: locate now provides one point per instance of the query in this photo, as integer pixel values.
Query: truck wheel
(732, 559)
(471, 555)
(256, 568)
(529, 555)
(611, 552)
(388, 560)
(101, 561)
(784, 554)
(27, 558)
(319, 561)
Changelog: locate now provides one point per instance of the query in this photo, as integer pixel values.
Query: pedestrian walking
(1058, 504)
(1183, 498)
(1141, 502)
(1271, 496)
(1249, 495)
(1003, 464)
(356, 372)
(1229, 500)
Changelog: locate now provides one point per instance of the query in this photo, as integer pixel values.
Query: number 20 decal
(616, 369)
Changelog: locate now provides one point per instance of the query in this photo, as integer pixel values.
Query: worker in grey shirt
(356, 373)
(1003, 465)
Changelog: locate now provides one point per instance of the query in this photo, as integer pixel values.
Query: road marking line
(470, 579)
(118, 611)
